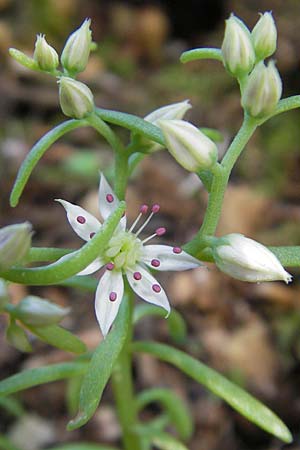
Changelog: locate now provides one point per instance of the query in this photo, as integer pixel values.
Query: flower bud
(15, 241)
(37, 311)
(189, 146)
(168, 112)
(76, 99)
(45, 55)
(237, 48)
(247, 260)
(76, 52)
(263, 90)
(264, 36)
(17, 337)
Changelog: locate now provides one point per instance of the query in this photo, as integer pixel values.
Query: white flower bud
(76, 52)
(189, 146)
(237, 48)
(76, 99)
(37, 311)
(45, 55)
(15, 241)
(168, 112)
(264, 36)
(263, 90)
(247, 260)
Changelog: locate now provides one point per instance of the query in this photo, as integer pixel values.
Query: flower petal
(108, 201)
(93, 267)
(108, 298)
(83, 223)
(147, 287)
(164, 257)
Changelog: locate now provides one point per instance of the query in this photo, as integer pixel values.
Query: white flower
(247, 260)
(125, 255)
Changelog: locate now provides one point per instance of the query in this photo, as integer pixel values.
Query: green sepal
(23, 59)
(235, 396)
(100, 368)
(58, 337)
(17, 337)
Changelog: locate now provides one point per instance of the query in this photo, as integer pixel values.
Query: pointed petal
(93, 267)
(83, 223)
(164, 257)
(111, 285)
(148, 288)
(108, 201)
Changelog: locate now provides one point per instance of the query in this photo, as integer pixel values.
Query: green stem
(220, 180)
(105, 130)
(123, 390)
(121, 174)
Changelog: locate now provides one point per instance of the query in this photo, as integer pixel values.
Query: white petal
(168, 259)
(93, 267)
(107, 310)
(144, 288)
(83, 223)
(108, 201)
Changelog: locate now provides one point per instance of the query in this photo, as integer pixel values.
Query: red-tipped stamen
(154, 210)
(81, 220)
(109, 198)
(156, 288)
(159, 232)
(113, 296)
(137, 276)
(110, 266)
(177, 250)
(143, 211)
(155, 263)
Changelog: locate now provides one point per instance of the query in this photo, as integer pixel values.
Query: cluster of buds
(76, 99)
(243, 54)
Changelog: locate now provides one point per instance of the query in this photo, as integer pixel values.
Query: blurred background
(249, 332)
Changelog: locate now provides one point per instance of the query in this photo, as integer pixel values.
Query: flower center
(123, 251)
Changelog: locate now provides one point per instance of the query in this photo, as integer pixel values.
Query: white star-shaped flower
(125, 255)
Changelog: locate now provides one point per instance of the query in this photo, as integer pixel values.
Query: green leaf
(37, 152)
(59, 337)
(12, 406)
(40, 375)
(82, 446)
(212, 134)
(288, 256)
(174, 406)
(133, 123)
(239, 399)
(176, 323)
(100, 368)
(201, 53)
(72, 263)
(165, 441)
(72, 394)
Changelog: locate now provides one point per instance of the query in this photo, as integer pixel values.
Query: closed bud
(45, 55)
(15, 241)
(76, 99)
(76, 52)
(264, 36)
(237, 48)
(263, 90)
(37, 311)
(17, 337)
(168, 112)
(189, 146)
(247, 260)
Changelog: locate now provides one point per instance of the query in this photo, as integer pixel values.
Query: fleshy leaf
(100, 368)
(239, 399)
(59, 337)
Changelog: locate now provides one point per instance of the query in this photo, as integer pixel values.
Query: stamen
(155, 208)
(113, 296)
(92, 234)
(81, 219)
(177, 250)
(155, 263)
(110, 266)
(159, 232)
(143, 210)
(109, 198)
(156, 288)
(137, 276)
